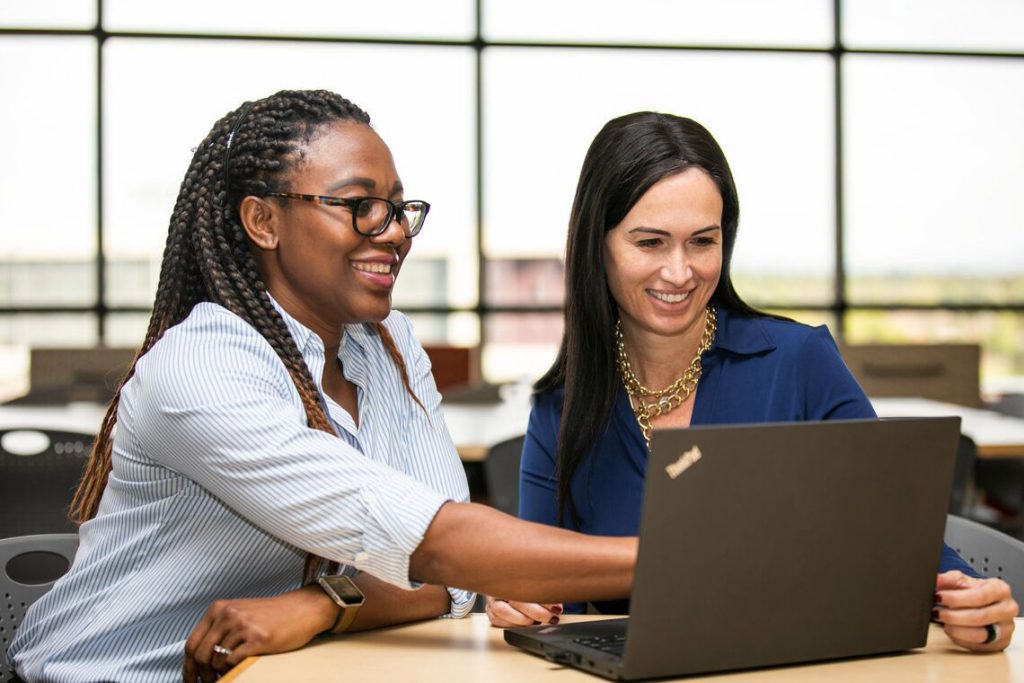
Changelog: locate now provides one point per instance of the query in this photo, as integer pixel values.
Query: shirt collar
(309, 341)
(741, 334)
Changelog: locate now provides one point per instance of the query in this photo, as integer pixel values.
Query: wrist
(325, 611)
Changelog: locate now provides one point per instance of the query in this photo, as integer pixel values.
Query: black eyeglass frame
(394, 209)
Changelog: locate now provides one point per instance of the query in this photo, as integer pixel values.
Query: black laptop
(774, 544)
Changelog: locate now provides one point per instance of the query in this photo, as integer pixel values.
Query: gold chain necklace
(672, 396)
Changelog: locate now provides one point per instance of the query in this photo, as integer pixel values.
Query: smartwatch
(346, 594)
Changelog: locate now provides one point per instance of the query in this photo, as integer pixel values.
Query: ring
(221, 650)
(993, 633)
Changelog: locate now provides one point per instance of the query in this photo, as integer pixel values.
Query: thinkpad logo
(683, 463)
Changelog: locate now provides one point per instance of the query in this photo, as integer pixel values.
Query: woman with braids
(280, 426)
(656, 336)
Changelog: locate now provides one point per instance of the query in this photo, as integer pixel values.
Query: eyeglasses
(371, 215)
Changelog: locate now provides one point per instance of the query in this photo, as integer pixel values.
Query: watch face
(344, 590)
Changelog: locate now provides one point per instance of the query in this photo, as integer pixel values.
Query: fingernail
(553, 620)
(557, 609)
(935, 615)
(938, 599)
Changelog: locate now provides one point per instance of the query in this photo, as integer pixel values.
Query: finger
(990, 614)
(189, 671)
(966, 635)
(950, 580)
(507, 615)
(235, 641)
(976, 594)
(535, 612)
(974, 638)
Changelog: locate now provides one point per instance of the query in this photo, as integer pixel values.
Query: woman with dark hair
(280, 466)
(656, 336)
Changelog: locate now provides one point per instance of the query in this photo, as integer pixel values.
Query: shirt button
(362, 557)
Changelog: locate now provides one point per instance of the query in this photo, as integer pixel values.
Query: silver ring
(221, 650)
(993, 633)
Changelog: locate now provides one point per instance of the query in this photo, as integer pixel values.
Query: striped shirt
(219, 489)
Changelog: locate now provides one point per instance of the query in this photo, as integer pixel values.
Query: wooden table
(471, 650)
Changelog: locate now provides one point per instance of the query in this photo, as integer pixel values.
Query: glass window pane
(525, 281)
(668, 22)
(544, 106)
(169, 92)
(126, 329)
(934, 163)
(70, 14)
(48, 197)
(520, 346)
(52, 329)
(1001, 335)
(14, 365)
(996, 25)
(454, 329)
(440, 19)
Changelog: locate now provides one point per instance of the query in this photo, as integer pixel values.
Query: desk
(470, 650)
(475, 428)
(996, 435)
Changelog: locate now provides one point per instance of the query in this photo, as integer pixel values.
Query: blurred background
(877, 146)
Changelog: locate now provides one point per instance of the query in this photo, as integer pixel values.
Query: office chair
(28, 567)
(501, 472)
(991, 553)
(961, 499)
(941, 372)
(41, 468)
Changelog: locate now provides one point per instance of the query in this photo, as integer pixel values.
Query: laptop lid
(781, 543)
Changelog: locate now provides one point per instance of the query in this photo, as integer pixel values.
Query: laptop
(773, 544)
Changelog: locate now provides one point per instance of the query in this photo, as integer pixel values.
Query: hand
(255, 626)
(965, 606)
(507, 613)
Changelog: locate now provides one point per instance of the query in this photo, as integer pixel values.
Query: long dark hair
(629, 155)
(208, 257)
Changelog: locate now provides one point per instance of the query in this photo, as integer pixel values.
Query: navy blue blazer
(758, 369)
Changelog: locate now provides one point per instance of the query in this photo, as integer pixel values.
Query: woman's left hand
(254, 626)
(966, 606)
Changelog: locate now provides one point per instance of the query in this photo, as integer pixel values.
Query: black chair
(28, 567)
(501, 472)
(992, 553)
(961, 500)
(41, 468)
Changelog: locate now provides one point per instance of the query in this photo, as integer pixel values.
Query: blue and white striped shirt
(219, 489)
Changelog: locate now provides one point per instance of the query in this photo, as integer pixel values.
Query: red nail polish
(557, 609)
(938, 599)
(935, 615)
(554, 620)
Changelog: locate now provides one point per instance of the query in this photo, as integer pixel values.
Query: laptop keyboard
(613, 645)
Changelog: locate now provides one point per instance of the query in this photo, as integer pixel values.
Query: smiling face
(664, 259)
(315, 265)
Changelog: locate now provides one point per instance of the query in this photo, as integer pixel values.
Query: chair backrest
(453, 366)
(1010, 404)
(961, 498)
(942, 372)
(991, 553)
(28, 567)
(501, 472)
(41, 469)
(58, 376)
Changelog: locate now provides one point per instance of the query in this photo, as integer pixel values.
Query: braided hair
(207, 257)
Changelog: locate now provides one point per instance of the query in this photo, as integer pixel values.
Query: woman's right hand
(509, 613)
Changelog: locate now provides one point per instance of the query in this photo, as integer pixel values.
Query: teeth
(669, 298)
(372, 267)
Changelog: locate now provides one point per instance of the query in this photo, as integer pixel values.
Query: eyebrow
(369, 184)
(659, 231)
